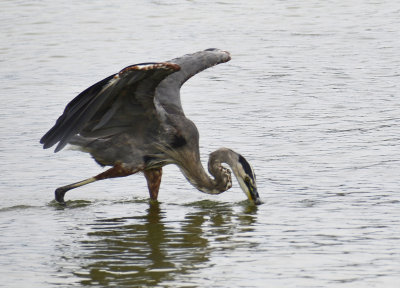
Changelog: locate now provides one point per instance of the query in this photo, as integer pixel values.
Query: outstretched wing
(168, 91)
(93, 112)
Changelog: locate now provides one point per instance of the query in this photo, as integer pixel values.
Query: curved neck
(221, 180)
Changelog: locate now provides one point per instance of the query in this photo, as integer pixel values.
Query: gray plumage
(135, 119)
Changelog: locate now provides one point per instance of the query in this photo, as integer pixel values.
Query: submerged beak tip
(258, 201)
(256, 197)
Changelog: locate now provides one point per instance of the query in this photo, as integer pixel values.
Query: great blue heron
(134, 122)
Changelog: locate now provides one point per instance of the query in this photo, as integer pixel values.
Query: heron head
(247, 179)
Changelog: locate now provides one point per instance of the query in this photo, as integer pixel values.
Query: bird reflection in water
(149, 250)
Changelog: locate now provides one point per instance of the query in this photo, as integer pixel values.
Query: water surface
(310, 97)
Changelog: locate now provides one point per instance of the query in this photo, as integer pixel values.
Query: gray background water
(310, 97)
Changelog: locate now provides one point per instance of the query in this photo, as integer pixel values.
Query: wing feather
(97, 105)
(168, 91)
(135, 99)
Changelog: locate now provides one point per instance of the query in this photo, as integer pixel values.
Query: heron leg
(117, 171)
(153, 177)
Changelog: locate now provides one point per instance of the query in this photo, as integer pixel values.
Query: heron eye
(247, 179)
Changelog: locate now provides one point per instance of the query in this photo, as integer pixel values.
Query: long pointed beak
(253, 195)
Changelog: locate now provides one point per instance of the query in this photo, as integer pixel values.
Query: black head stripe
(246, 166)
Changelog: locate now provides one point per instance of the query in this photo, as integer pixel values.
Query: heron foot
(59, 195)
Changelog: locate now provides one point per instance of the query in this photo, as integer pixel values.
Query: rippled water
(310, 97)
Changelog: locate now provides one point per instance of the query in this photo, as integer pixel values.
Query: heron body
(133, 121)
